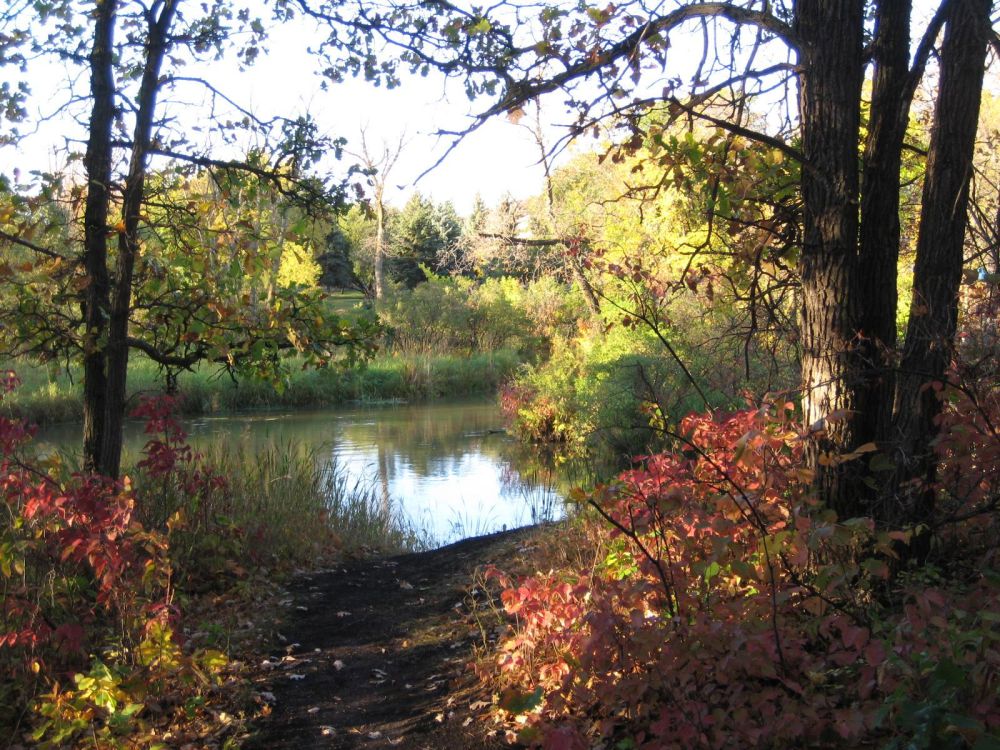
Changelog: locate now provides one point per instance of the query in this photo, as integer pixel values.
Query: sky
(500, 157)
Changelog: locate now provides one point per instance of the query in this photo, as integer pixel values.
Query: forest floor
(377, 653)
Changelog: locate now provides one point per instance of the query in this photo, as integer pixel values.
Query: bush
(92, 571)
(732, 610)
(87, 593)
(598, 389)
(455, 314)
(386, 378)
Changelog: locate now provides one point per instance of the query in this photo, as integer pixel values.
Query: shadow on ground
(377, 653)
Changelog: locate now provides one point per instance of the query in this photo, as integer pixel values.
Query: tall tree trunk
(128, 243)
(572, 246)
(97, 163)
(879, 237)
(937, 273)
(831, 35)
(589, 296)
(379, 245)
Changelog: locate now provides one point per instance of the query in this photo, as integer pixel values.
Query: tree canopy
(788, 77)
(126, 258)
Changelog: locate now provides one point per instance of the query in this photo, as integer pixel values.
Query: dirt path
(377, 655)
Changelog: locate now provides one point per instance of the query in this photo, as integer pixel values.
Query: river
(450, 468)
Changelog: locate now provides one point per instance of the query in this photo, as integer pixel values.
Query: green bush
(604, 387)
(204, 391)
(460, 315)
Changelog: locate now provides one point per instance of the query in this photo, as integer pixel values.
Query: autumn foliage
(731, 610)
(87, 617)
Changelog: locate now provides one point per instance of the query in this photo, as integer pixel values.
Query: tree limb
(15, 240)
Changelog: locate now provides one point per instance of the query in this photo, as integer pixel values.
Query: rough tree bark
(931, 328)
(95, 297)
(878, 247)
(117, 348)
(830, 33)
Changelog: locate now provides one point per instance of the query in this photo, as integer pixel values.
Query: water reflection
(450, 468)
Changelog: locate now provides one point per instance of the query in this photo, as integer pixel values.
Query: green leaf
(711, 571)
(514, 701)
(482, 26)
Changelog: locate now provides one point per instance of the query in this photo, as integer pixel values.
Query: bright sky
(500, 157)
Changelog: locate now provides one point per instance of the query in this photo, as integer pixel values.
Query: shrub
(455, 314)
(596, 390)
(732, 610)
(87, 594)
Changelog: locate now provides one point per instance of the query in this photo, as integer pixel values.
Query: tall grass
(282, 506)
(48, 396)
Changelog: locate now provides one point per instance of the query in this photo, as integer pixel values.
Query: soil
(377, 654)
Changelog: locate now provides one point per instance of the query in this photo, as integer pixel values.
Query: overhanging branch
(35, 248)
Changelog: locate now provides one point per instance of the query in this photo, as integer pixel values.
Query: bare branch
(15, 240)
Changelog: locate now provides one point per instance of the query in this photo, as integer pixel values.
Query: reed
(49, 396)
(282, 506)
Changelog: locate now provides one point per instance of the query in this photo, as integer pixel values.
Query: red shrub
(734, 611)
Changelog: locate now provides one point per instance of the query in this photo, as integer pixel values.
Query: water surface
(449, 468)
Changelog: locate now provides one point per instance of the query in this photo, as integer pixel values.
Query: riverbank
(50, 395)
(173, 573)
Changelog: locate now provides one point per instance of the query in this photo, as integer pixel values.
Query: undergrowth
(96, 575)
(729, 609)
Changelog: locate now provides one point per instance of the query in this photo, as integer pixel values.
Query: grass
(281, 507)
(48, 396)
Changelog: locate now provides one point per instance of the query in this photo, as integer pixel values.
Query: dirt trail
(377, 655)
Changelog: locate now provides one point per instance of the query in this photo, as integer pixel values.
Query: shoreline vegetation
(49, 396)
(767, 297)
(212, 535)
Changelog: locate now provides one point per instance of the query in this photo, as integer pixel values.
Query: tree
(378, 166)
(135, 55)
(574, 245)
(616, 63)
(422, 234)
(337, 269)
